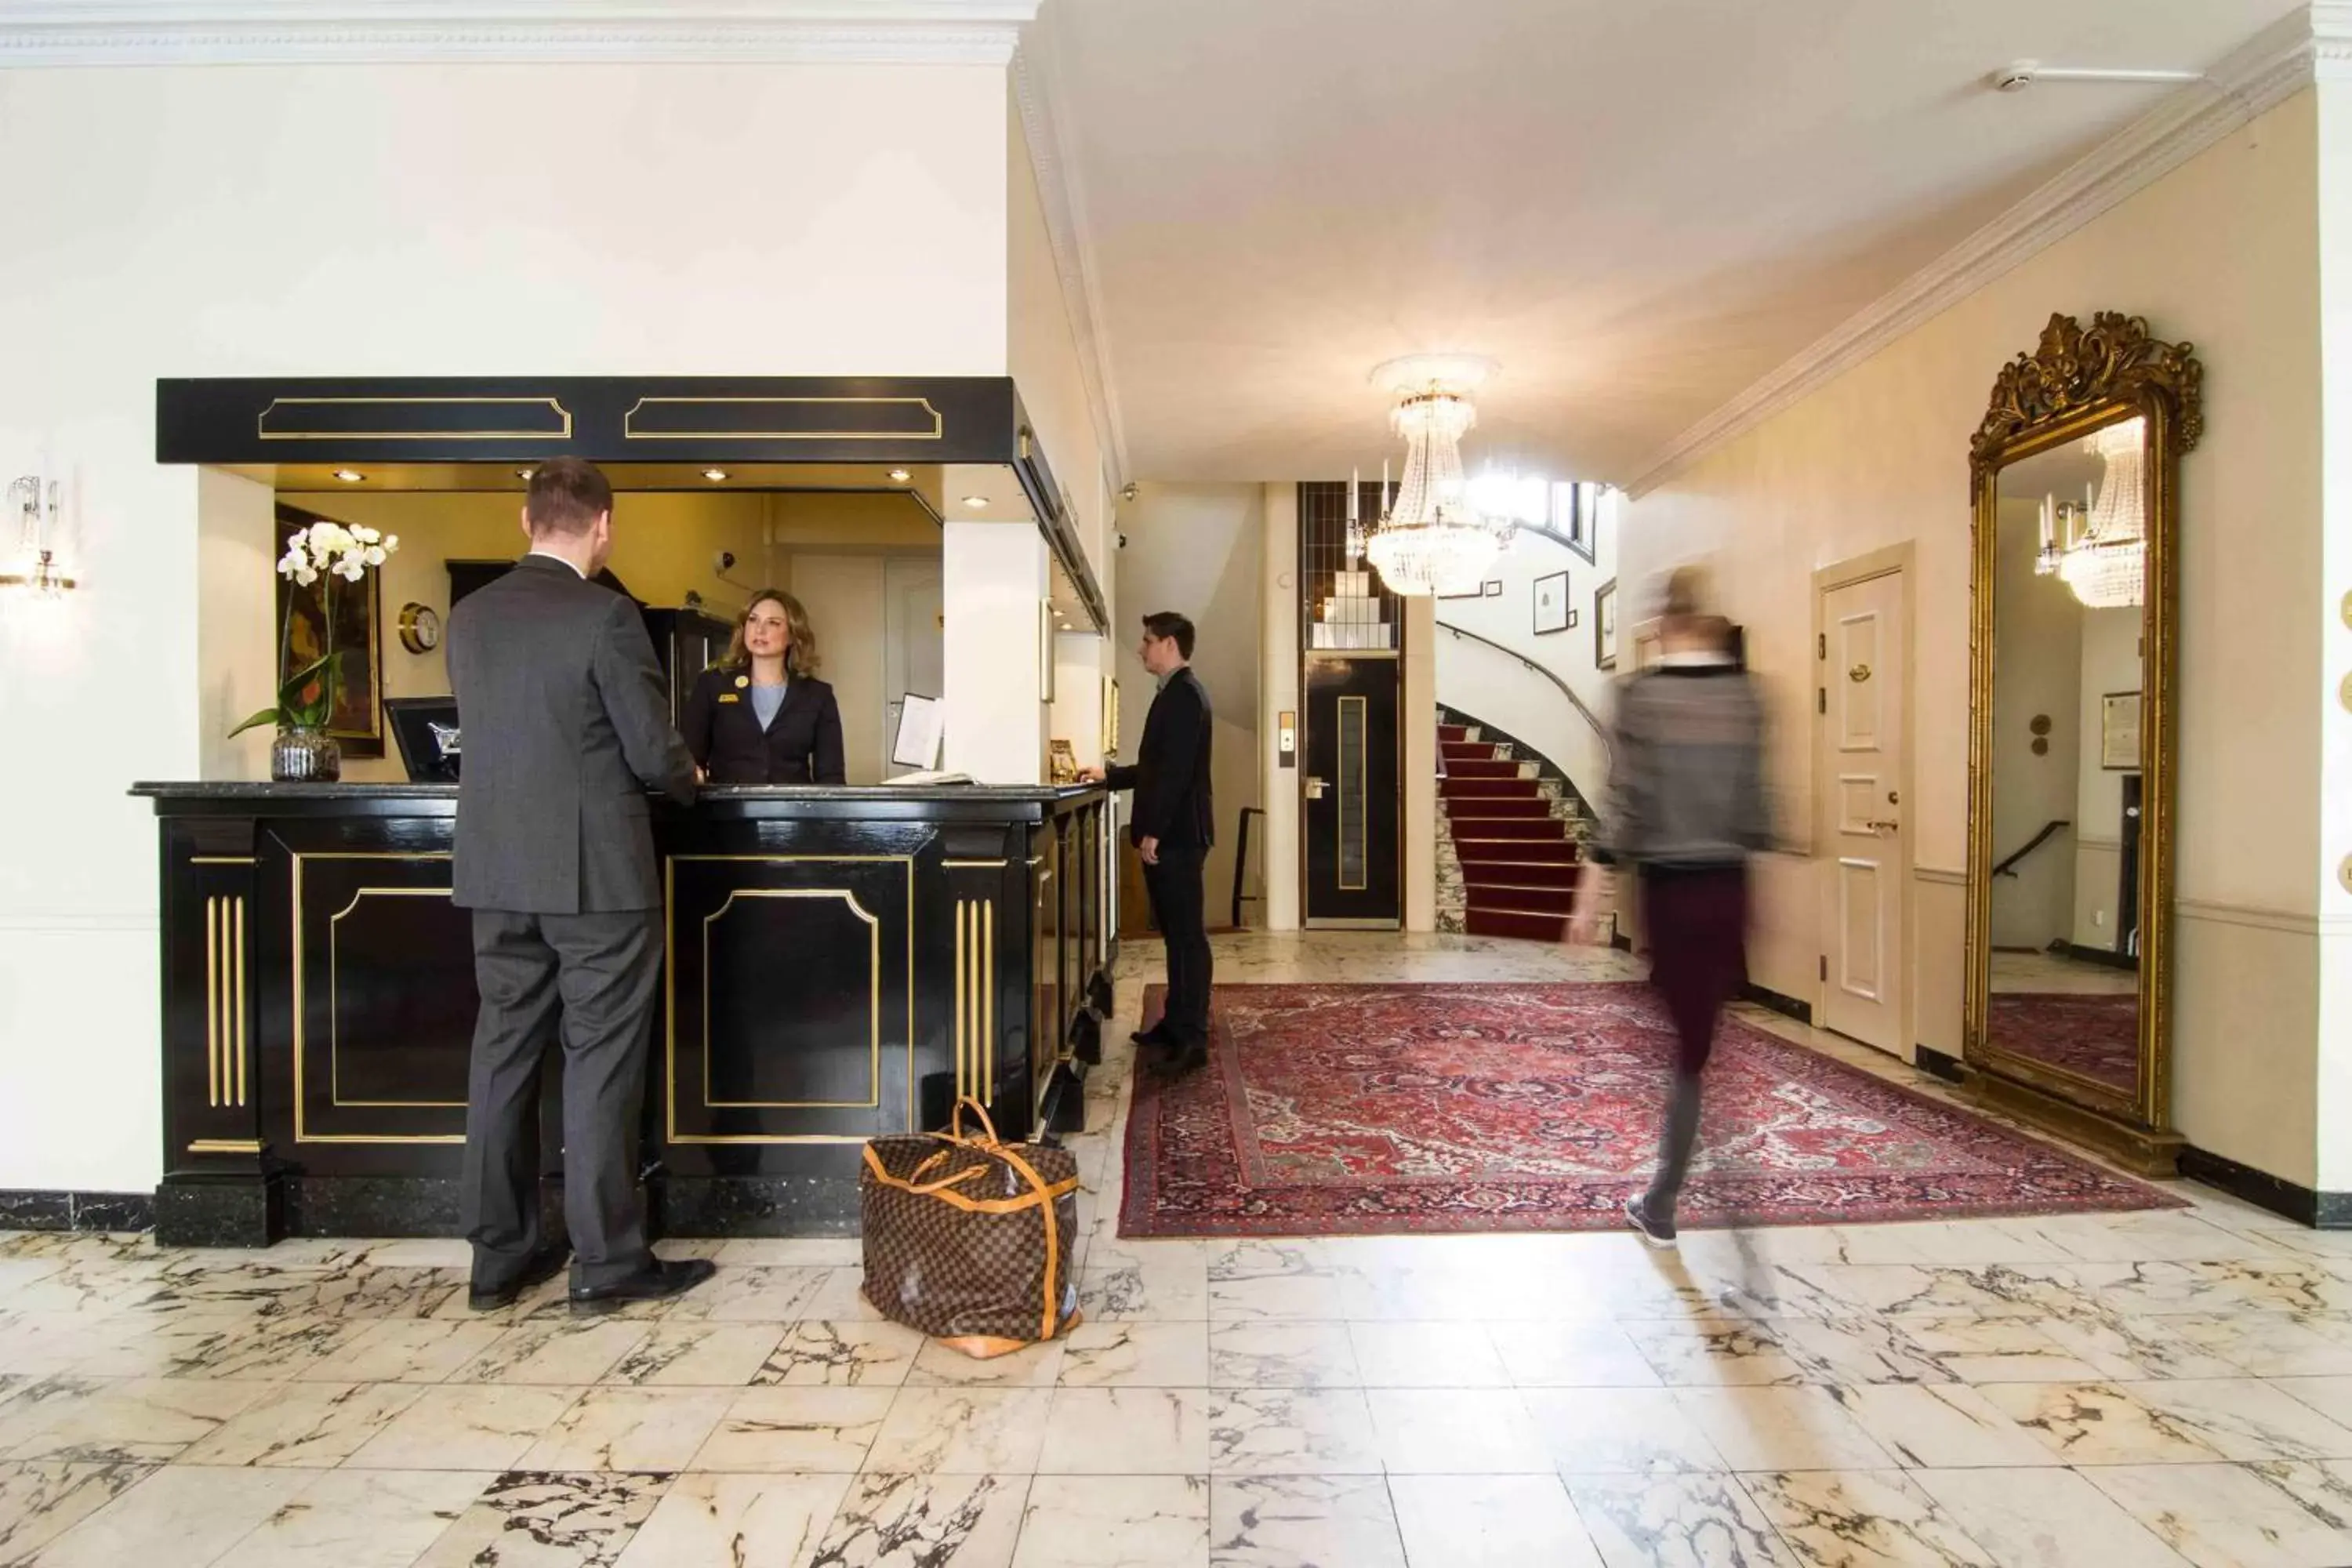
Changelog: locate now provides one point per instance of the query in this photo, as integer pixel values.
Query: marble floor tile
(697, 1356)
(841, 1354)
(1943, 1426)
(2269, 1344)
(1723, 1353)
(1302, 1521)
(1282, 1355)
(1619, 1431)
(2240, 1516)
(1456, 1431)
(630, 1429)
(822, 1429)
(1114, 1521)
(837, 1296)
(757, 1522)
(2134, 1346)
(2004, 1350)
(1803, 1429)
(792, 1251)
(2044, 1519)
(42, 1501)
(1862, 1519)
(940, 1365)
(1427, 1354)
(528, 1518)
(780, 1294)
(2247, 1420)
(1639, 1521)
(558, 1350)
(925, 1521)
(2100, 1423)
(1127, 1432)
(40, 1344)
(2331, 1396)
(464, 1427)
(962, 1431)
(1575, 1355)
(1137, 1354)
(180, 1516)
(1292, 1432)
(1472, 1522)
(304, 1425)
(108, 1421)
(403, 1349)
(362, 1518)
(1857, 1349)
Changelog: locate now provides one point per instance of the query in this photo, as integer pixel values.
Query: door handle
(1882, 827)
(1314, 788)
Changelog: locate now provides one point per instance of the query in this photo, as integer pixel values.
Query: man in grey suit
(565, 725)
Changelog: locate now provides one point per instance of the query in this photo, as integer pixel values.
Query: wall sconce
(35, 503)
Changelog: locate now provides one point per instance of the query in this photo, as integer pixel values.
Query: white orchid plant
(321, 550)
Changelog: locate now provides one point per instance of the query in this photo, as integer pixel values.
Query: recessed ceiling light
(900, 475)
(714, 475)
(975, 503)
(350, 476)
(525, 473)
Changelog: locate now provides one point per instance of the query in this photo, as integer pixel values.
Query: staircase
(1510, 842)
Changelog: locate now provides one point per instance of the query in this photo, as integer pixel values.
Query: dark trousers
(1177, 908)
(1696, 921)
(597, 974)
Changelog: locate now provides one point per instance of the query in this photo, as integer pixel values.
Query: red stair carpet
(1519, 866)
(1396, 1109)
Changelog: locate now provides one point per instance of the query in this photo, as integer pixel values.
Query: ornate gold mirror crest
(2072, 645)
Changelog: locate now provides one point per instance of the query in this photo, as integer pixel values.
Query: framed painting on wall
(356, 716)
(1551, 603)
(1605, 626)
(2119, 731)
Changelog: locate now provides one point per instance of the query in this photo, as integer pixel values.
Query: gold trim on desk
(226, 1146)
(629, 430)
(975, 999)
(873, 1003)
(669, 984)
(220, 859)
(263, 432)
(301, 1030)
(224, 1032)
(973, 865)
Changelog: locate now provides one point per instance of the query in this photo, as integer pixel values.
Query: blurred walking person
(1686, 809)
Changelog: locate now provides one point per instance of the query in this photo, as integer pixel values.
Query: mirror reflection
(2067, 613)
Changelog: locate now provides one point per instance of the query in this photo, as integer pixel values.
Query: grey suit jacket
(565, 727)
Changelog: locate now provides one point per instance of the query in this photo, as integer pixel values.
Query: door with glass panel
(1352, 777)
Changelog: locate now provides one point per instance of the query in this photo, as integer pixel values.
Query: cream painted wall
(2110, 663)
(2224, 252)
(1042, 354)
(2038, 648)
(2331, 586)
(410, 220)
(995, 575)
(1417, 812)
(1197, 549)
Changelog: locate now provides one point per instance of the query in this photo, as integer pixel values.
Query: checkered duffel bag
(968, 1239)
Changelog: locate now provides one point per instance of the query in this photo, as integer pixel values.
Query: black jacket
(566, 726)
(722, 730)
(1169, 775)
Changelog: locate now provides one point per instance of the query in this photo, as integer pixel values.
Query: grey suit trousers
(599, 973)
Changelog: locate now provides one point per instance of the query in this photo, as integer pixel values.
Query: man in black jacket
(1173, 826)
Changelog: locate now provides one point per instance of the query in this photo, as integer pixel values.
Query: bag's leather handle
(955, 1121)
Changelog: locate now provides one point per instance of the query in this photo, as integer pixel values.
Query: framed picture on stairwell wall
(1605, 626)
(1551, 603)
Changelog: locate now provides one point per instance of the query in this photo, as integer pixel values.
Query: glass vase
(305, 754)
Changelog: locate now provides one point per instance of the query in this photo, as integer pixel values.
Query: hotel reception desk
(840, 962)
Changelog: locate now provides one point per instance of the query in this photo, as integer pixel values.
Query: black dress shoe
(544, 1265)
(1154, 1035)
(1189, 1057)
(665, 1279)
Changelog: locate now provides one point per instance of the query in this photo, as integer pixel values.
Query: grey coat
(565, 727)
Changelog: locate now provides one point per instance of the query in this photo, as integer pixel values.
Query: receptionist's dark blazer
(722, 730)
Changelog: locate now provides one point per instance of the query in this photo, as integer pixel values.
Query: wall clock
(420, 629)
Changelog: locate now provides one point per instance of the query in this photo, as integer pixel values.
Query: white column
(1277, 695)
(1417, 712)
(2332, 963)
(995, 582)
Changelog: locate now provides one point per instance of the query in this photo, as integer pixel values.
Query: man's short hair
(566, 497)
(1169, 624)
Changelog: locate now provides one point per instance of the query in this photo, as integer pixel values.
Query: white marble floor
(2109, 1392)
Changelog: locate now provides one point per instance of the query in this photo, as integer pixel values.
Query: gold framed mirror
(2072, 642)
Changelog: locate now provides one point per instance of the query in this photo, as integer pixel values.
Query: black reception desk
(840, 962)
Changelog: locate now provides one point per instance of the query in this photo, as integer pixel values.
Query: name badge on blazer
(729, 697)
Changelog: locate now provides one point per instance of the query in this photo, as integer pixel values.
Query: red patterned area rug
(1386, 1109)
(2097, 1037)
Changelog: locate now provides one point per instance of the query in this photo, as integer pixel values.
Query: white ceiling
(1638, 206)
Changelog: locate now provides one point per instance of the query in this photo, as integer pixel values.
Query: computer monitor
(427, 730)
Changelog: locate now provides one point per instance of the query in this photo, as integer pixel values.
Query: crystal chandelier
(2099, 549)
(1430, 539)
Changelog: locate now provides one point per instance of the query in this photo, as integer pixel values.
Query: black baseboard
(2320, 1210)
(1620, 942)
(1787, 1006)
(2106, 958)
(40, 1209)
(1930, 1061)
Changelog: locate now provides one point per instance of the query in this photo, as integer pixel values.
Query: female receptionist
(758, 716)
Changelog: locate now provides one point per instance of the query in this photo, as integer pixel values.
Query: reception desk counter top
(840, 962)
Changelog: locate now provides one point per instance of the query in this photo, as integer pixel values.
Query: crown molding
(61, 33)
(1063, 197)
(2278, 62)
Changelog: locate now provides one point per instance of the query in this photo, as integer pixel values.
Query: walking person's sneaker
(1657, 1233)
(665, 1278)
(544, 1265)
